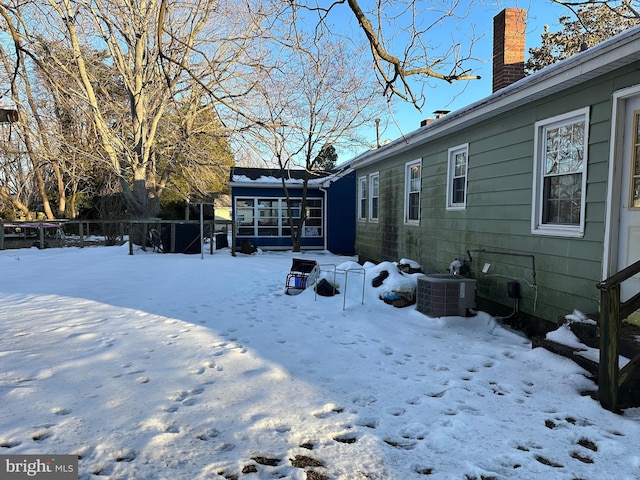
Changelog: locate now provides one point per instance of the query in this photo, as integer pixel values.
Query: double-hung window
(362, 198)
(413, 180)
(560, 172)
(374, 196)
(457, 177)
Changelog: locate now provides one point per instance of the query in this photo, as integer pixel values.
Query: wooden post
(145, 235)
(1, 236)
(201, 230)
(233, 237)
(130, 240)
(81, 234)
(212, 230)
(212, 235)
(41, 234)
(608, 373)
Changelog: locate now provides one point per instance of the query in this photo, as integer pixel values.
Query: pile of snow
(170, 366)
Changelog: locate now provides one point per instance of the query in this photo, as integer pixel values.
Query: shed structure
(260, 208)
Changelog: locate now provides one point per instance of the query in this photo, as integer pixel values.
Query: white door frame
(616, 149)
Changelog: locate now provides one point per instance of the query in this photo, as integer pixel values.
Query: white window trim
(537, 227)
(451, 173)
(407, 180)
(370, 203)
(362, 216)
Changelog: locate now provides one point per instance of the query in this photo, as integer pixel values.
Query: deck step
(572, 353)
(585, 353)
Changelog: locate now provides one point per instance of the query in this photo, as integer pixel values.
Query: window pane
(363, 187)
(414, 206)
(295, 209)
(268, 214)
(314, 213)
(374, 186)
(374, 207)
(458, 190)
(414, 184)
(461, 164)
(563, 199)
(243, 202)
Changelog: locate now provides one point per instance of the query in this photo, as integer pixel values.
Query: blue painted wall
(341, 212)
(339, 227)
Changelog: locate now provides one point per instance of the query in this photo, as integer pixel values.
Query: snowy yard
(171, 366)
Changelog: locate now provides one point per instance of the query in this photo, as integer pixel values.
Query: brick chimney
(508, 47)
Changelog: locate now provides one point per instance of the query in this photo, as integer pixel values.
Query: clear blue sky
(404, 117)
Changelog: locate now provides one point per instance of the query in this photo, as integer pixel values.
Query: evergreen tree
(326, 159)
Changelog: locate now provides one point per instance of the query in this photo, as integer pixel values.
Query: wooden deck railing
(615, 384)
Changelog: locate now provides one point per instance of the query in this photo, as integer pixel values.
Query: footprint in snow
(9, 443)
(402, 443)
(415, 431)
(386, 350)
(396, 411)
(364, 400)
(40, 435)
(327, 410)
(350, 437)
(369, 422)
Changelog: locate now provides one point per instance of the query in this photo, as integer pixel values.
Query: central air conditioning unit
(445, 295)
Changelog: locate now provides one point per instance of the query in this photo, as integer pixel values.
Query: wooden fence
(81, 233)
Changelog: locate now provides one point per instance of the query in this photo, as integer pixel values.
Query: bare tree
(156, 48)
(404, 42)
(319, 95)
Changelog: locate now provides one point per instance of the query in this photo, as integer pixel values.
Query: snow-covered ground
(170, 366)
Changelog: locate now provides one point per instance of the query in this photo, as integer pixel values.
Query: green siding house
(537, 184)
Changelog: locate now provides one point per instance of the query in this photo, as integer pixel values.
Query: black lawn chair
(302, 274)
